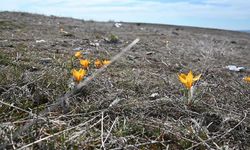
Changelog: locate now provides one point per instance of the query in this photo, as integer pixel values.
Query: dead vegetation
(136, 103)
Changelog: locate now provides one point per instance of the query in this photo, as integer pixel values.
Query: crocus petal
(78, 54)
(182, 78)
(84, 63)
(98, 63)
(247, 79)
(78, 75)
(73, 72)
(190, 75)
(83, 72)
(106, 62)
(189, 80)
(78, 78)
(197, 77)
(80, 71)
(189, 84)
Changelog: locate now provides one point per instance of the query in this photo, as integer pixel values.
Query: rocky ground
(137, 102)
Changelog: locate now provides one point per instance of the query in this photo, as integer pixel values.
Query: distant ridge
(247, 31)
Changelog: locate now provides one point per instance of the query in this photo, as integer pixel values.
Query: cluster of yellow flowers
(186, 79)
(78, 75)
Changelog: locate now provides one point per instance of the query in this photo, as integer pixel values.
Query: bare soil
(148, 109)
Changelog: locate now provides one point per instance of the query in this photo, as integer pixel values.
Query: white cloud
(174, 12)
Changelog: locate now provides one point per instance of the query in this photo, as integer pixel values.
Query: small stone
(233, 42)
(117, 25)
(77, 49)
(150, 53)
(32, 69)
(94, 44)
(235, 68)
(40, 41)
(154, 96)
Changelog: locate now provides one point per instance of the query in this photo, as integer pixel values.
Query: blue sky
(223, 14)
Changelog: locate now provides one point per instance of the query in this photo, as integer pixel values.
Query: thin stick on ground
(103, 146)
(141, 144)
(111, 128)
(221, 135)
(58, 133)
(82, 131)
(28, 112)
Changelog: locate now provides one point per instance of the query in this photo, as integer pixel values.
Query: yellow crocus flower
(78, 54)
(85, 63)
(78, 75)
(98, 63)
(188, 79)
(106, 62)
(247, 79)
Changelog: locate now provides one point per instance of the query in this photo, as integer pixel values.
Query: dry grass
(115, 109)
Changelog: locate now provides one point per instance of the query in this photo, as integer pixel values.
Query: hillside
(138, 102)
